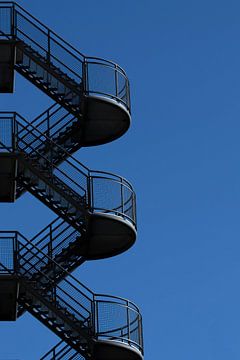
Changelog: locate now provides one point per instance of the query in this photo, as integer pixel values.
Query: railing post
(122, 196)
(13, 21)
(134, 214)
(97, 318)
(15, 253)
(116, 81)
(140, 332)
(14, 136)
(50, 248)
(48, 123)
(128, 95)
(90, 191)
(93, 315)
(85, 76)
(49, 46)
(128, 323)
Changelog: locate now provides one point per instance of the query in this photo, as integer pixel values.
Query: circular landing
(107, 235)
(113, 350)
(106, 120)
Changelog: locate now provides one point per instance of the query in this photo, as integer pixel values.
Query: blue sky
(182, 155)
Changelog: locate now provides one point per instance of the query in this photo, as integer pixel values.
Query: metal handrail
(84, 60)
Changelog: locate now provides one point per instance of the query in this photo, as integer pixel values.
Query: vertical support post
(116, 80)
(140, 332)
(128, 323)
(97, 318)
(90, 197)
(14, 135)
(50, 248)
(93, 315)
(49, 46)
(85, 77)
(128, 94)
(48, 123)
(13, 21)
(122, 197)
(15, 253)
(134, 213)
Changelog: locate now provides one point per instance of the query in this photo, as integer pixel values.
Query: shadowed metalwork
(96, 210)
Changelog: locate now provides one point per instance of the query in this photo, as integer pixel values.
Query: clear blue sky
(181, 153)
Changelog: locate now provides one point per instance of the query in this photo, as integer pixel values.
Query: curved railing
(98, 76)
(105, 78)
(124, 325)
(104, 192)
(112, 194)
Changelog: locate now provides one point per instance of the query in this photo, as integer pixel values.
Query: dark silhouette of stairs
(85, 113)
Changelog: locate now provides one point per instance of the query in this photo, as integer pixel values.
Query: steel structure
(96, 213)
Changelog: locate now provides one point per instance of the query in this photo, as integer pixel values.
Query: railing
(52, 240)
(7, 132)
(52, 121)
(112, 194)
(55, 237)
(98, 76)
(105, 317)
(118, 320)
(104, 192)
(71, 292)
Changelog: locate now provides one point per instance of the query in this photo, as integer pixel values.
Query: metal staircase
(96, 212)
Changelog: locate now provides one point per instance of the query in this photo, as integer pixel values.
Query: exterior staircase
(96, 211)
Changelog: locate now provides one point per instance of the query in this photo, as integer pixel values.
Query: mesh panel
(31, 34)
(108, 80)
(101, 79)
(70, 64)
(6, 136)
(106, 195)
(76, 302)
(112, 195)
(118, 321)
(111, 318)
(122, 88)
(128, 202)
(5, 21)
(6, 254)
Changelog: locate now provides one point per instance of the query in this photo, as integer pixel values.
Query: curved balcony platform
(109, 350)
(108, 235)
(107, 120)
(112, 219)
(106, 101)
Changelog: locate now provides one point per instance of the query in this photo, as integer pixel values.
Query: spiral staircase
(95, 210)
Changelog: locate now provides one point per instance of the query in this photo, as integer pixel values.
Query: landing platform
(106, 120)
(114, 350)
(107, 236)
